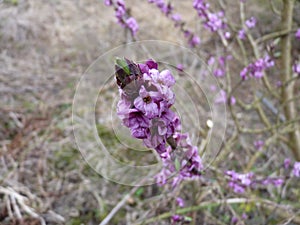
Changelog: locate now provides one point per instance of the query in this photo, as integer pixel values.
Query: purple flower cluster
(164, 7)
(250, 23)
(122, 16)
(167, 9)
(239, 182)
(145, 108)
(257, 68)
(189, 164)
(220, 69)
(212, 21)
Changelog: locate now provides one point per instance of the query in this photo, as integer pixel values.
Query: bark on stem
(286, 74)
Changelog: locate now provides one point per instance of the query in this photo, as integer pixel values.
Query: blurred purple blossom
(278, 83)
(242, 34)
(212, 21)
(176, 17)
(244, 216)
(122, 16)
(258, 144)
(278, 182)
(219, 72)
(193, 41)
(297, 34)
(108, 2)
(287, 163)
(296, 68)
(232, 100)
(180, 67)
(177, 218)
(180, 202)
(221, 97)
(227, 34)
(234, 220)
(238, 182)
(296, 169)
(211, 61)
(250, 23)
(132, 25)
(257, 68)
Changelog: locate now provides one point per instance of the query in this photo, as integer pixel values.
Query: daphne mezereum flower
(108, 2)
(227, 34)
(250, 23)
(180, 202)
(132, 25)
(193, 40)
(257, 68)
(176, 17)
(144, 107)
(164, 7)
(258, 144)
(296, 169)
(238, 182)
(242, 34)
(214, 21)
(296, 68)
(297, 34)
(122, 16)
(287, 163)
(201, 6)
(177, 218)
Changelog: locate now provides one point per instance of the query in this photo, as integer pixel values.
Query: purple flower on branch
(177, 218)
(258, 144)
(257, 68)
(180, 202)
(296, 68)
(122, 15)
(242, 34)
(297, 34)
(250, 23)
(287, 163)
(296, 169)
(144, 107)
(193, 41)
(132, 25)
(108, 2)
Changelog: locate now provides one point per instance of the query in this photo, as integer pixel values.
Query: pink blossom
(296, 169)
(250, 23)
(297, 34)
